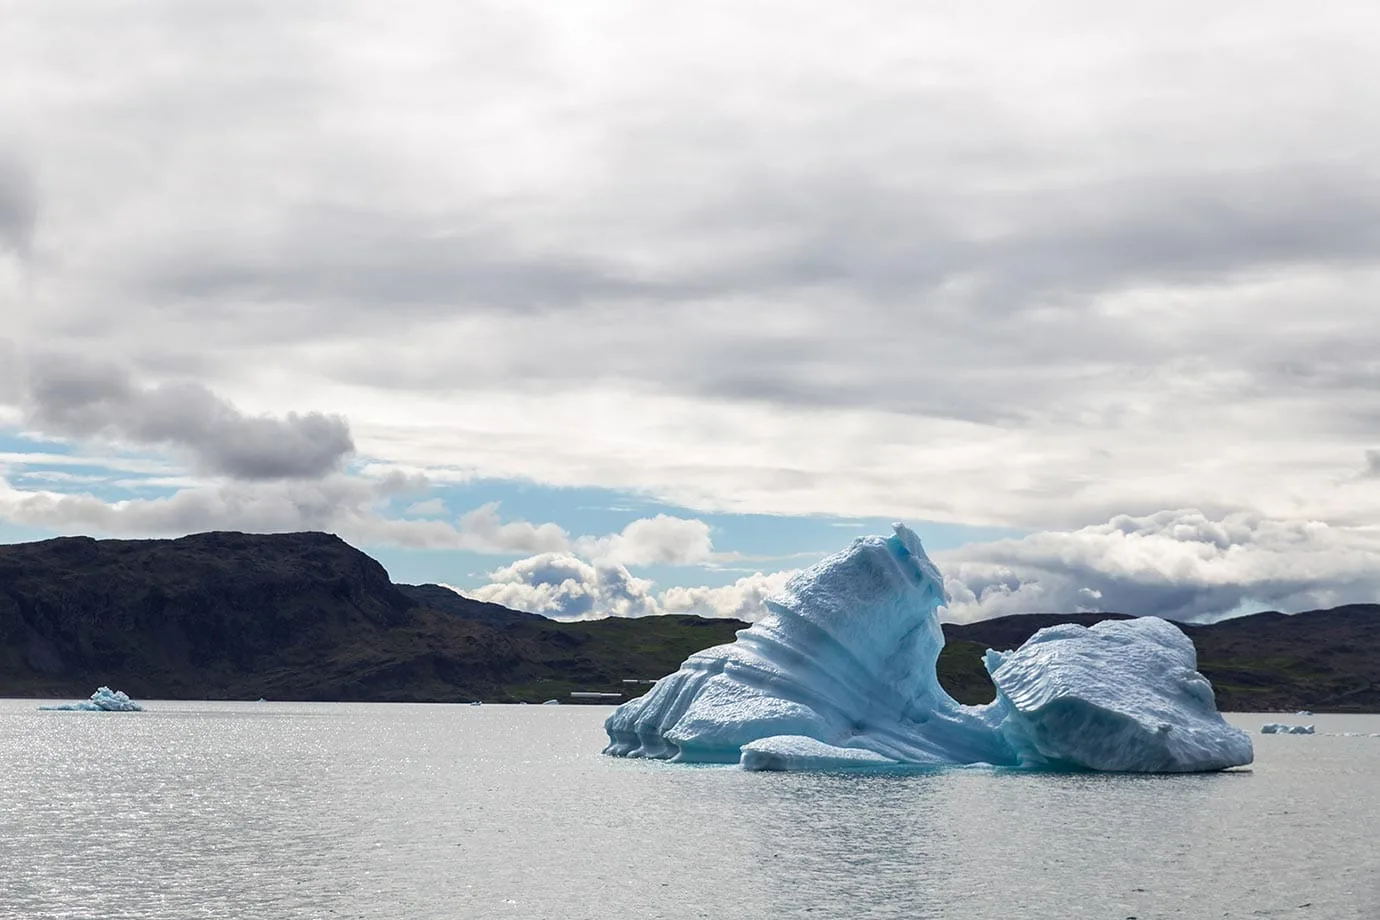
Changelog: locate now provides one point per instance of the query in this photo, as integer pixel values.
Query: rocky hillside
(293, 616)
(306, 616)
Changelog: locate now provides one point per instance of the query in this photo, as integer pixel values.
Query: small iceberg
(103, 700)
(1280, 728)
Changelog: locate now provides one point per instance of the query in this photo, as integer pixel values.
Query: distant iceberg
(840, 675)
(103, 700)
(1280, 728)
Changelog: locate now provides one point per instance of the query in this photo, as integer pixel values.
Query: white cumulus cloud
(565, 587)
(741, 600)
(1180, 564)
(482, 530)
(660, 540)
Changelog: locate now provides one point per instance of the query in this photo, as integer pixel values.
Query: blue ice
(103, 700)
(840, 675)
(1280, 728)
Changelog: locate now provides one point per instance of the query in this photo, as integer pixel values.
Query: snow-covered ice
(1280, 728)
(103, 700)
(840, 675)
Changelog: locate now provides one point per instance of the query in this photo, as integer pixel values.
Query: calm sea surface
(268, 810)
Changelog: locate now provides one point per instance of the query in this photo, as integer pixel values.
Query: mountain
(293, 616)
(306, 616)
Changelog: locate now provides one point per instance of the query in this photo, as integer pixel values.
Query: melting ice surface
(840, 675)
(103, 700)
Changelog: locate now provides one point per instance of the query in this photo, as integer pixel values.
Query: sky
(617, 308)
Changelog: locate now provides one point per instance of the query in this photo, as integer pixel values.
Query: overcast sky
(616, 307)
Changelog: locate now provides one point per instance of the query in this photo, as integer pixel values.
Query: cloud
(12, 382)
(741, 600)
(1183, 565)
(689, 255)
(483, 531)
(589, 578)
(349, 506)
(1178, 564)
(77, 398)
(592, 580)
(432, 507)
(355, 507)
(660, 540)
(18, 207)
(564, 587)
(1372, 464)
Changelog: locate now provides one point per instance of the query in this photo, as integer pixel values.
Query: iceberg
(840, 675)
(103, 700)
(1280, 728)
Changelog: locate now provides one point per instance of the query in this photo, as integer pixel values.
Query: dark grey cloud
(367, 268)
(1372, 464)
(18, 207)
(79, 398)
(12, 382)
(906, 300)
(892, 253)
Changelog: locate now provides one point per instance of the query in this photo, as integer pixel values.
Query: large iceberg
(840, 675)
(103, 700)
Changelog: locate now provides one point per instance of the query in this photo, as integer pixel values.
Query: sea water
(329, 810)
